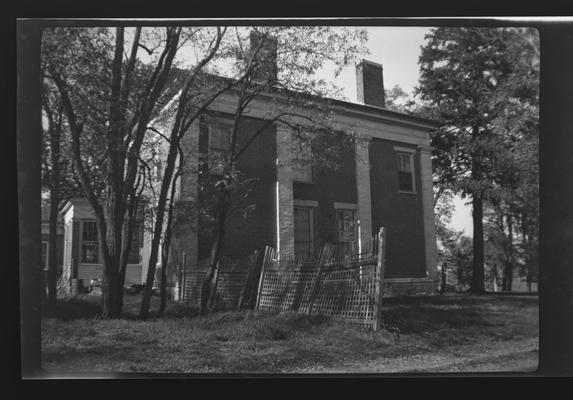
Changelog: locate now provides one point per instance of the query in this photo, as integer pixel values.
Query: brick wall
(401, 214)
(252, 225)
(330, 186)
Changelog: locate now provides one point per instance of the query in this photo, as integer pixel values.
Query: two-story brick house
(384, 179)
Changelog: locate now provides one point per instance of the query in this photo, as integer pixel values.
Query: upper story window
(219, 146)
(90, 243)
(405, 159)
(302, 165)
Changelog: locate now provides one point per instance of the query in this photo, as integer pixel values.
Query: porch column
(284, 204)
(428, 213)
(362, 159)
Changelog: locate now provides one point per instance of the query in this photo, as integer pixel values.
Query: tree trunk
(131, 218)
(112, 290)
(158, 226)
(478, 276)
(167, 243)
(110, 295)
(510, 251)
(163, 283)
(148, 290)
(208, 287)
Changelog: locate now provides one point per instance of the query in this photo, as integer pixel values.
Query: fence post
(379, 279)
(266, 258)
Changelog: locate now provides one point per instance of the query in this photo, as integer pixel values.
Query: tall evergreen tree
(471, 76)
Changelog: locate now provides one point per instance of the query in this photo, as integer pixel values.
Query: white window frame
(212, 150)
(347, 207)
(411, 153)
(302, 167)
(98, 261)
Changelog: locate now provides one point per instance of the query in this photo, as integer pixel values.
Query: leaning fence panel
(340, 286)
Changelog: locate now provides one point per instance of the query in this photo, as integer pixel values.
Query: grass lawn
(430, 334)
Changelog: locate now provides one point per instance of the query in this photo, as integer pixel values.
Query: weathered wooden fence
(341, 286)
(236, 283)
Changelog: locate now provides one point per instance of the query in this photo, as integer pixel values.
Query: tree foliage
(117, 84)
(483, 83)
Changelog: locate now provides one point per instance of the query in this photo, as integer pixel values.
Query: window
(90, 243)
(45, 255)
(219, 146)
(405, 171)
(302, 169)
(346, 229)
(303, 232)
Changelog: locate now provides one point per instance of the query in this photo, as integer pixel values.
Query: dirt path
(505, 356)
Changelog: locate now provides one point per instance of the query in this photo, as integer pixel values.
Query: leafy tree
(109, 98)
(299, 53)
(470, 76)
(57, 174)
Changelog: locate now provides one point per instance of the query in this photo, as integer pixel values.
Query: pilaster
(428, 212)
(284, 191)
(362, 157)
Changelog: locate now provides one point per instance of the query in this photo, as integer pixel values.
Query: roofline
(375, 112)
(67, 203)
(383, 112)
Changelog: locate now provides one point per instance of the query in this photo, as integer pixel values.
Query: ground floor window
(303, 232)
(346, 228)
(90, 243)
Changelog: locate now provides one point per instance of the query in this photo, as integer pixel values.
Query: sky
(398, 50)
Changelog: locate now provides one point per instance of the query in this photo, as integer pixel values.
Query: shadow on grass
(459, 319)
(71, 308)
(89, 306)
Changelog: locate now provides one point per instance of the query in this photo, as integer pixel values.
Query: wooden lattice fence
(341, 286)
(231, 281)
(336, 284)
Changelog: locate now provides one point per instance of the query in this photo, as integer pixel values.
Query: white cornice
(369, 124)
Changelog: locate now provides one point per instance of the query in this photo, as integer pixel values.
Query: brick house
(384, 180)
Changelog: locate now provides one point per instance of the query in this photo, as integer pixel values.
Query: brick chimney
(370, 83)
(265, 66)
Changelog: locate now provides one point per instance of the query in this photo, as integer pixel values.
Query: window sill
(410, 193)
(307, 182)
